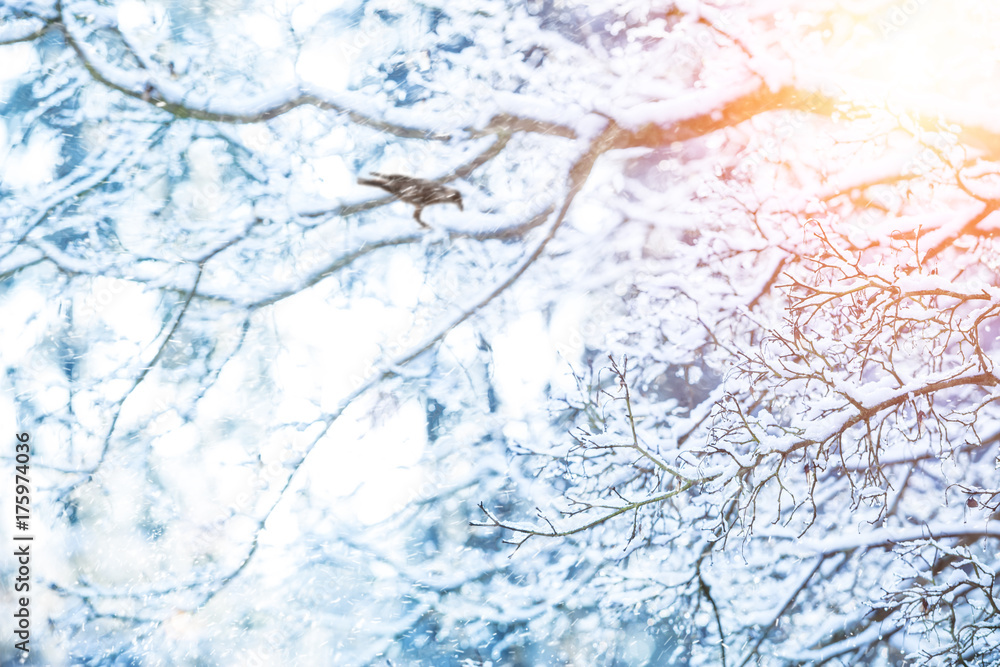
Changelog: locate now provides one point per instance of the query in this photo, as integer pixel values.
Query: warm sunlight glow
(912, 53)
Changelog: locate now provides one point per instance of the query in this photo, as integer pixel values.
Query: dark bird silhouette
(416, 191)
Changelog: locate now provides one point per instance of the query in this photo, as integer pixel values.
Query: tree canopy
(700, 374)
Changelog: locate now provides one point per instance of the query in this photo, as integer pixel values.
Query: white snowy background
(265, 405)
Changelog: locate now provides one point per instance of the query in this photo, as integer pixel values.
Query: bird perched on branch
(416, 191)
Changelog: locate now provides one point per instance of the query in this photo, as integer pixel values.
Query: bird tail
(378, 180)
